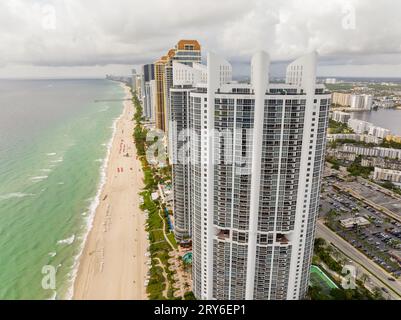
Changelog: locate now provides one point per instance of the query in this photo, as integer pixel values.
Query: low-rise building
(381, 174)
(340, 155)
(355, 137)
(362, 127)
(353, 222)
(372, 152)
(331, 81)
(379, 132)
(385, 103)
(359, 126)
(381, 163)
(340, 116)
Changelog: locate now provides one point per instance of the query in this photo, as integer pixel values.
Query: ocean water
(386, 118)
(54, 141)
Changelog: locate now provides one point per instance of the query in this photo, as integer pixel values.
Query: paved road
(324, 232)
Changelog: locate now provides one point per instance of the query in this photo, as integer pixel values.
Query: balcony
(281, 238)
(223, 234)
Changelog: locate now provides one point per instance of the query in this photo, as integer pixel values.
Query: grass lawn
(156, 235)
(171, 237)
(319, 278)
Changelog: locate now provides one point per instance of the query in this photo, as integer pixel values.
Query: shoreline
(93, 206)
(102, 272)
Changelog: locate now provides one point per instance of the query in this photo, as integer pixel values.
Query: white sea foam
(104, 109)
(68, 241)
(39, 178)
(46, 170)
(51, 154)
(57, 160)
(60, 183)
(99, 160)
(52, 254)
(15, 195)
(92, 208)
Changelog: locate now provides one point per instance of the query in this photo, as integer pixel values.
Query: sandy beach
(113, 262)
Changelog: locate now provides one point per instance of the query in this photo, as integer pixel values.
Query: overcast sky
(89, 38)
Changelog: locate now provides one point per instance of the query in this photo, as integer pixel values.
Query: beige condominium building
(186, 52)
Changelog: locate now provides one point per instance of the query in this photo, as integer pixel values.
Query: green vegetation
(390, 144)
(335, 163)
(380, 88)
(391, 186)
(384, 89)
(149, 180)
(323, 253)
(338, 142)
(384, 144)
(171, 237)
(159, 248)
(156, 284)
(338, 127)
(346, 86)
(356, 169)
(189, 296)
(139, 132)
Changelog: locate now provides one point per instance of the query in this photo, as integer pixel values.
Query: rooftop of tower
(188, 45)
(171, 53)
(234, 87)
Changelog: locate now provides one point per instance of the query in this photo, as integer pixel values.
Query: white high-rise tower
(256, 156)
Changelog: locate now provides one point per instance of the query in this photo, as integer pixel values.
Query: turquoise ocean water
(54, 139)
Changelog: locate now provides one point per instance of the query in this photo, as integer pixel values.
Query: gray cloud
(85, 34)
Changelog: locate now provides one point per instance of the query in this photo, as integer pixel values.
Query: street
(374, 270)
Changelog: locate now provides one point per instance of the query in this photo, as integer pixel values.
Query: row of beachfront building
(247, 161)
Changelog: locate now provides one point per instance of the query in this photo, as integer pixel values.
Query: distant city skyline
(75, 39)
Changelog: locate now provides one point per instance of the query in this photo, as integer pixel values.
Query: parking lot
(373, 193)
(378, 239)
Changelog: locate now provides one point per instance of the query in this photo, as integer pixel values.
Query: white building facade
(372, 152)
(184, 79)
(382, 174)
(364, 127)
(340, 116)
(256, 156)
(361, 101)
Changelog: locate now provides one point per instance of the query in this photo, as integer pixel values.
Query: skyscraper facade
(186, 52)
(148, 71)
(160, 110)
(133, 80)
(255, 155)
(184, 80)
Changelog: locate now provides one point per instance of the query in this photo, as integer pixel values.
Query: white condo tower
(248, 193)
